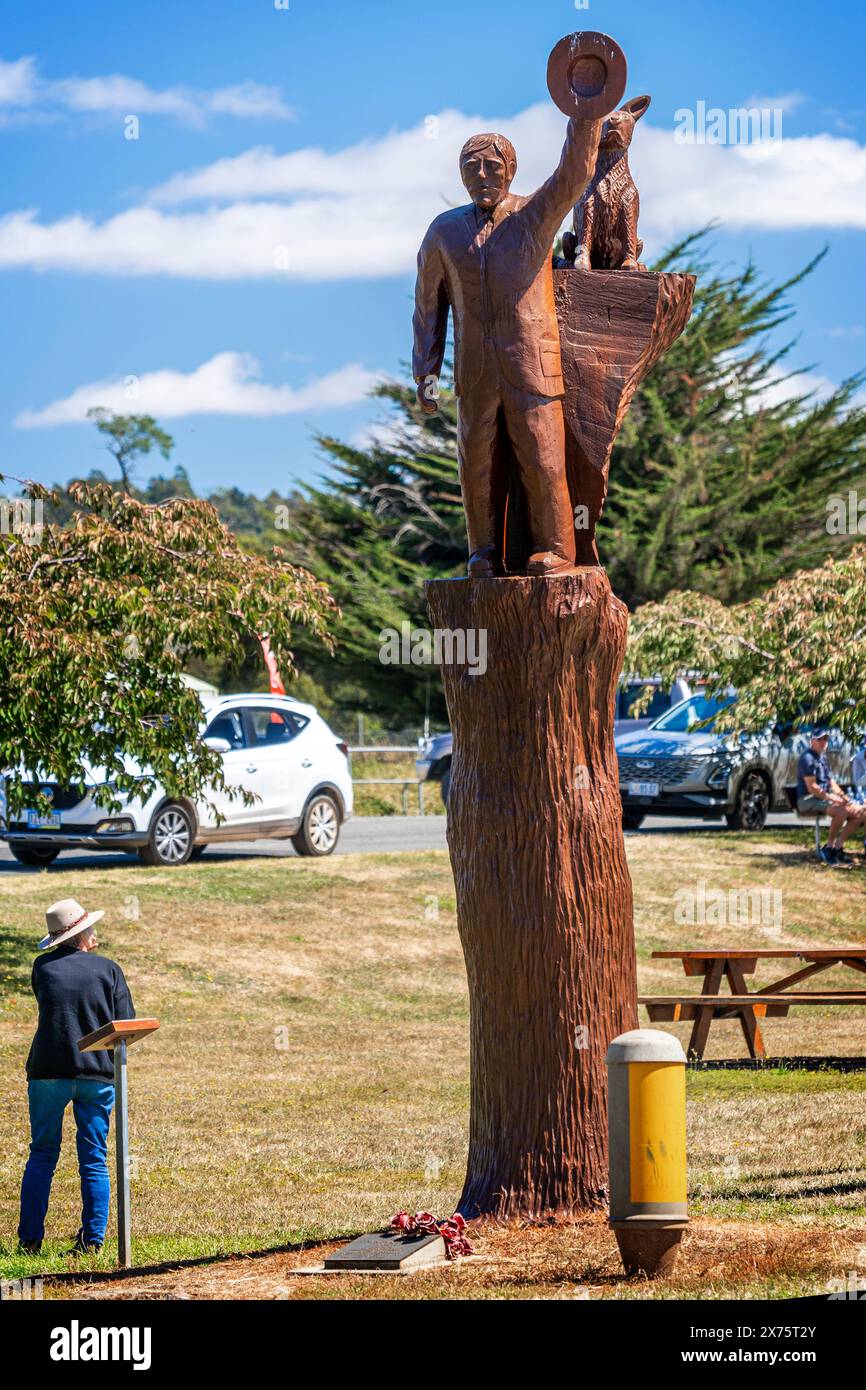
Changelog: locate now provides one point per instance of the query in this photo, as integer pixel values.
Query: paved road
(658, 825)
(364, 835)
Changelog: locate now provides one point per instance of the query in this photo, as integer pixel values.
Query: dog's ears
(637, 107)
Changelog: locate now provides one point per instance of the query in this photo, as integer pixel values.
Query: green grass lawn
(311, 1073)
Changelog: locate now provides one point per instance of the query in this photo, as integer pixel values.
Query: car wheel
(445, 785)
(170, 841)
(752, 804)
(320, 827)
(35, 858)
(633, 820)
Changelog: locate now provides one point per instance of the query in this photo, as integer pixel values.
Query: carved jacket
(494, 272)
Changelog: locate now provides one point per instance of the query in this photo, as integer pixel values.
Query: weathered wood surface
(613, 328)
(544, 898)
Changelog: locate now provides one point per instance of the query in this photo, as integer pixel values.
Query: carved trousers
(536, 432)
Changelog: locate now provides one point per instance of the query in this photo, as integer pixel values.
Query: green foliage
(100, 620)
(796, 652)
(718, 483)
(387, 518)
(129, 438)
(258, 524)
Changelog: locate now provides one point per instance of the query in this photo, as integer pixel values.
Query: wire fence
(368, 741)
(364, 733)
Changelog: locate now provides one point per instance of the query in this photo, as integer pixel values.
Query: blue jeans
(92, 1102)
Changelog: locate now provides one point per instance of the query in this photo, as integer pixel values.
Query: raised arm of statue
(552, 202)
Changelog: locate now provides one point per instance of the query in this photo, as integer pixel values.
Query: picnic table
(733, 965)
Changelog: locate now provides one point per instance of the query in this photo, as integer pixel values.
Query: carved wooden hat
(587, 74)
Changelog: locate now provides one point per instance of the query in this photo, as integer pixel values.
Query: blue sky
(246, 262)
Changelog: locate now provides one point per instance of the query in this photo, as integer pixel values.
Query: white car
(272, 745)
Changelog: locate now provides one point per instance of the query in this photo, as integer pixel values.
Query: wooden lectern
(117, 1035)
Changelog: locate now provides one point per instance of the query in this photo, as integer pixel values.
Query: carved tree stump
(544, 898)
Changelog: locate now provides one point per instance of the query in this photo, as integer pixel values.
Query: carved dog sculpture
(605, 220)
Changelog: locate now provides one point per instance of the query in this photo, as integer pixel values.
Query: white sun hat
(65, 919)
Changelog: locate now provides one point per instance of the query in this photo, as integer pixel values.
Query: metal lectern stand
(118, 1035)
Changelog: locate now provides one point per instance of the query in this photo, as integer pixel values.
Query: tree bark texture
(544, 897)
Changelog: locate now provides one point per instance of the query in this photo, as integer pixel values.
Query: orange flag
(277, 687)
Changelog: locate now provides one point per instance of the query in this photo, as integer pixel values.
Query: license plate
(643, 789)
(37, 820)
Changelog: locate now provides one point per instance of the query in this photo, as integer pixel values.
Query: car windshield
(627, 698)
(697, 710)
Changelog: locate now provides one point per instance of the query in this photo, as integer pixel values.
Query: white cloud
(399, 164)
(760, 185)
(122, 95)
(242, 241)
(361, 211)
(783, 386)
(811, 181)
(21, 88)
(119, 94)
(249, 99)
(225, 385)
(394, 436)
(785, 102)
(17, 82)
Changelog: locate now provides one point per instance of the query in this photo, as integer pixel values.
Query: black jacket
(78, 991)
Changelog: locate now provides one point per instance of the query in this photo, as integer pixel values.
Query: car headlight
(719, 775)
(120, 826)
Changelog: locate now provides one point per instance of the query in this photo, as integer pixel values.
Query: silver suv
(680, 766)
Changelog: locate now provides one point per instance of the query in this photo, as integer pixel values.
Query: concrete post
(647, 1147)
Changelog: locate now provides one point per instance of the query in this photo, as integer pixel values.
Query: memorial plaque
(388, 1250)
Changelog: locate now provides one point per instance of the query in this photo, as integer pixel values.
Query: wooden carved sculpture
(490, 263)
(546, 364)
(542, 372)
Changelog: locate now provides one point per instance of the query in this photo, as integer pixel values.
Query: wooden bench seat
(678, 1008)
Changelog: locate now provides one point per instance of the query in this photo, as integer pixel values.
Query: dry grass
(717, 1260)
(311, 1076)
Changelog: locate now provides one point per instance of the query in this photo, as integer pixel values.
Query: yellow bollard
(647, 1148)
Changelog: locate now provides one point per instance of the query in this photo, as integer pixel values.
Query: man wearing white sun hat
(77, 992)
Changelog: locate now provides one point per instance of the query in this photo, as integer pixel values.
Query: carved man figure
(490, 263)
